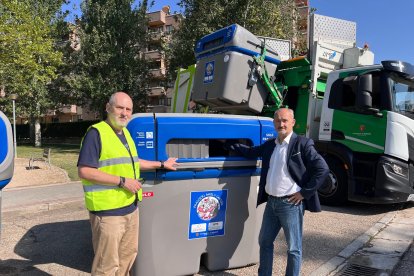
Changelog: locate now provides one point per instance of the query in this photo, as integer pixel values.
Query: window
(154, 47)
(154, 65)
(159, 29)
(165, 101)
(169, 29)
(344, 92)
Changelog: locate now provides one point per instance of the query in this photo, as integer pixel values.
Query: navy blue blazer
(306, 167)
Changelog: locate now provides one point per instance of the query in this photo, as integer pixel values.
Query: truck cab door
(357, 120)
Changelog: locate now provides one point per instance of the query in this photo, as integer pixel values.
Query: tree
(113, 34)
(28, 58)
(271, 18)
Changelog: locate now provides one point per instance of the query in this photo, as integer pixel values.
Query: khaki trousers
(115, 243)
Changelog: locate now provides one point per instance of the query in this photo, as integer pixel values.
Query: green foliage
(113, 35)
(271, 18)
(28, 59)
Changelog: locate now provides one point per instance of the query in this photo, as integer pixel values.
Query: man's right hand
(132, 185)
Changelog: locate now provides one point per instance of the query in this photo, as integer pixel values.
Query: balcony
(68, 109)
(156, 91)
(301, 3)
(156, 18)
(153, 55)
(156, 37)
(159, 73)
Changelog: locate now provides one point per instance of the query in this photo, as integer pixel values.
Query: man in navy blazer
(292, 171)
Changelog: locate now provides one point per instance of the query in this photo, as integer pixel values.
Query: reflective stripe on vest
(98, 188)
(115, 160)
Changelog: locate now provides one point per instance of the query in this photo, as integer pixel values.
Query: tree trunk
(35, 132)
(38, 134)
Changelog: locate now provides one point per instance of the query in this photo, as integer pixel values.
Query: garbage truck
(6, 155)
(358, 113)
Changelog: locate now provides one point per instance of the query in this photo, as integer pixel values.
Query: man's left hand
(296, 198)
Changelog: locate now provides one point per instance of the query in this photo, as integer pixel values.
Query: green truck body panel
(362, 133)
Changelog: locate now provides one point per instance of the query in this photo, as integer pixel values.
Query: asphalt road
(57, 240)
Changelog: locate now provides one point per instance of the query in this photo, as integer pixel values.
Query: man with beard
(109, 168)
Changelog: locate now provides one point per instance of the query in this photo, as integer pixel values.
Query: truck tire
(334, 191)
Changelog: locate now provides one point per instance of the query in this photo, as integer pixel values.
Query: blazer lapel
(292, 143)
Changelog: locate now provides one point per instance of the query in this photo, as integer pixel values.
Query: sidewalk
(42, 197)
(39, 176)
(376, 252)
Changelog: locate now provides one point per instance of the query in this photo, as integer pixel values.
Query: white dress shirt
(278, 181)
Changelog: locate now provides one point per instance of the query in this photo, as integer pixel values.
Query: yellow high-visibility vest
(116, 160)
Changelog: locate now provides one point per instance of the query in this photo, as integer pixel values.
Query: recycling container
(224, 71)
(205, 212)
(6, 154)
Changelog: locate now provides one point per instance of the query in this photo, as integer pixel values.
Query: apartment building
(160, 27)
(302, 22)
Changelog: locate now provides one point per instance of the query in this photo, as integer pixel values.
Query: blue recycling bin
(225, 71)
(6, 151)
(205, 212)
(6, 154)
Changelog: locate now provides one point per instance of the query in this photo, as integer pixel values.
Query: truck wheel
(335, 189)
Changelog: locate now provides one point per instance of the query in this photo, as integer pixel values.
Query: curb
(379, 249)
(45, 206)
(6, 189)
(338, 262)
(41, 198)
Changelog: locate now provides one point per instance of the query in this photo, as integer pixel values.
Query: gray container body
(164, 247)
(223, 71)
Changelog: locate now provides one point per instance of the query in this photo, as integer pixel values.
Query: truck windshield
(403, 95)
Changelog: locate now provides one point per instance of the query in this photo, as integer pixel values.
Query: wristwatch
(162, 165)
(121, 182)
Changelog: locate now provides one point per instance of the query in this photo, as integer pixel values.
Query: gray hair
(112, 98)
(287, 108)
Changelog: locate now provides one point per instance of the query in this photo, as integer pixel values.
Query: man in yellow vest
(109, 168)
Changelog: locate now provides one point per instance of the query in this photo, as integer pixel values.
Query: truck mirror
(364, 93)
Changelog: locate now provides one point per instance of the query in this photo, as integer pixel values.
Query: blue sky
(385, 25)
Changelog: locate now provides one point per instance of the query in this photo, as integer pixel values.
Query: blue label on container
(207, 214)
(209, 72)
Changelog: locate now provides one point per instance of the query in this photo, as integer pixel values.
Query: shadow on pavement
(20, 267)
(364, 209)
(64, 243)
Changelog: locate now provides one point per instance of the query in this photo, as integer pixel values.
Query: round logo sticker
(209, 69)
(226, 58)
(208, 208)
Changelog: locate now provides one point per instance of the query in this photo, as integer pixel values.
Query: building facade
(160, 27)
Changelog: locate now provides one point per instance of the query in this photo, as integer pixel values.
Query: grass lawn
(63, 156)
